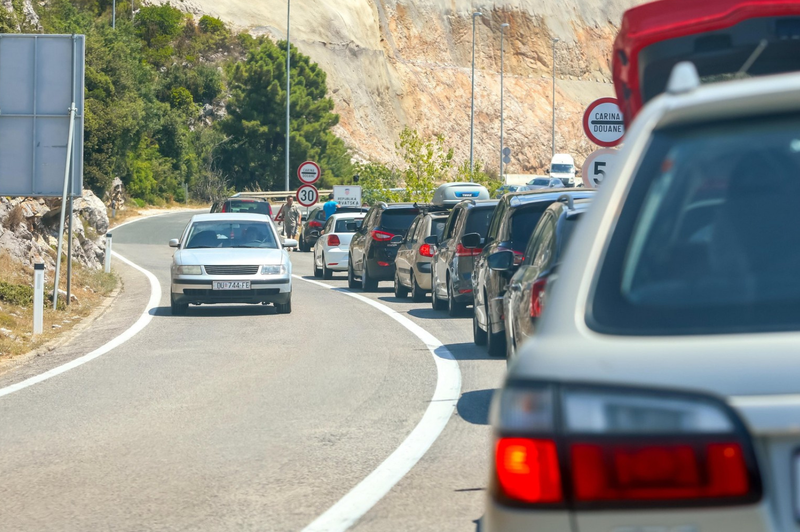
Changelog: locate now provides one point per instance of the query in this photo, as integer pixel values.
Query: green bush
(16, 294)
(211, 25)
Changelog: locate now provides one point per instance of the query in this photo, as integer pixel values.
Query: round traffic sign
(603, 124)
(597, 166)
(307, 195)
(506, 151)
(309, 172)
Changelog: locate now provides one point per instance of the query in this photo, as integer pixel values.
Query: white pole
(108, 253)
(288, 84)
(502, 65)
(472, 98)
(114, 14)
(553, 141)
(38, 298)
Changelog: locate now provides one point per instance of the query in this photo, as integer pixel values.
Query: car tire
(178, 309)
(317, 271)
(301, 242)
(454, 308)
(368, 284)
(284, 308)
(400, 291)
(478, 334)
(327, 273)
(495, 342)
(436, 303)
(352, 284)
(417, 293)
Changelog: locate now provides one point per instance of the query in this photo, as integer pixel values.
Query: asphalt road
(237, 418)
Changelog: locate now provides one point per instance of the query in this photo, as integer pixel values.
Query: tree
(427, 163)
(482, 177)
(256, 121)
(376, 181)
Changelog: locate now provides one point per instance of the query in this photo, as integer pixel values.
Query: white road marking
(141, 323)
(369, 491)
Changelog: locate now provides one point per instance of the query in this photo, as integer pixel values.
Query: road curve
(240, 418)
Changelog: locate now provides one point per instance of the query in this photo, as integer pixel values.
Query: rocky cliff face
(396, 63)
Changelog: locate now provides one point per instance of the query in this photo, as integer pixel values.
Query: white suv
(662, 389)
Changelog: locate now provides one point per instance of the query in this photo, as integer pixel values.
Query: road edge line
(367, 493)
(133, 330)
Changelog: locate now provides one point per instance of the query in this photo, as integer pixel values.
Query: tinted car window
(438, 228)
(398, 220)
(707, 240)
(478, 221)
(522, 224)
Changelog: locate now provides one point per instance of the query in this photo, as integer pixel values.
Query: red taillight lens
(224, 208)
(315, 224)
(461, 251)
(425, 250)
(518, 257)
(527, 470)
(537, 295)
(658, 472)
(333, 240)
(381, 236)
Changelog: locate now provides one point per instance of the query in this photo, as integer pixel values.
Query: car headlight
(190, 270)
(273, 269)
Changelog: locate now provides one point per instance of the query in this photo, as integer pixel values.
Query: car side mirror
(174, 243)
(432, 240)
(471, 240)
(501, 261)
(396, 239)
(290, 243)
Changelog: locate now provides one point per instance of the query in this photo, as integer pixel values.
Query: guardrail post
(108, 253)
(38, 298)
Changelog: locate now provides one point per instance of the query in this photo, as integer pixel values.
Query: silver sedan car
(231, 258)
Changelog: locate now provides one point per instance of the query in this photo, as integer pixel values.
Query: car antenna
(753, 57)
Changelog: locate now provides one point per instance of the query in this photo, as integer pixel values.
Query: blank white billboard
(40, 77)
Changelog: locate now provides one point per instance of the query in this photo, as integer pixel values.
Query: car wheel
(496, 342)
(301, 242)
(478, 334)
(178, 309)
(368, 284)
(317, 271)
(436, 303)
(351, 277)
(454, 308)
(417, 293)
(326, 273)
(284, 308)
(400, 291)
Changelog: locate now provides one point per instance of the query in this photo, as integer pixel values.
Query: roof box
(452, 193)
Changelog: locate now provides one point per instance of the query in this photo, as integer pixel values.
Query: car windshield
(708, 242)
(560, 169)
(398, 220)
(230, 234)
(523, 222)
(541, 181)
(478, 220)
(348, 225)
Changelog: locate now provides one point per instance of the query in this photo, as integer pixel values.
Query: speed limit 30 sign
(307, 195)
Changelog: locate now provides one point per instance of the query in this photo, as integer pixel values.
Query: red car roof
(662, 20)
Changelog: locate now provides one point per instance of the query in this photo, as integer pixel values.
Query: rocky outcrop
(26, 16)
(396, 63)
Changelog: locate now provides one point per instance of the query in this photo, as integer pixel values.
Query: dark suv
(511, 227)
(244, 205)
(451, 270)
(374, 246)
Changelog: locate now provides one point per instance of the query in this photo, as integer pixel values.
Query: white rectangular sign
(347, 195)
(40, 77)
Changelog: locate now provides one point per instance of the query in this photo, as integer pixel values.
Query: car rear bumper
(462, 286)
(380, 269)
(336, 259)
(261, 291)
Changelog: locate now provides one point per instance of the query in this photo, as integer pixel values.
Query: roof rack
(430, 207)
(569, 200)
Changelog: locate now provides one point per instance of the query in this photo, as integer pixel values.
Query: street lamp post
(553, 142)
(502, 65)
(113, 14)
(288, 85)
(472, 98)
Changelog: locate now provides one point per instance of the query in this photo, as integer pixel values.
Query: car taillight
(519, 257)
(224, 208)
(619, 449)
(381, 236)
(315, 224)
(537, 297)
(425, 250)
(461, 251)
(333, 240)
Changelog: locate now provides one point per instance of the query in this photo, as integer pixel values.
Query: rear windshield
(348, 226)
(478, 220)
(707, 241)
(227, 234)
(398, 220)
(252, 207)
(523, 222)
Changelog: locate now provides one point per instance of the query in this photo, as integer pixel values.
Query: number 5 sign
(598, 166)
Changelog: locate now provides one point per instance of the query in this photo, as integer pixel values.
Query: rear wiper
(753, 57)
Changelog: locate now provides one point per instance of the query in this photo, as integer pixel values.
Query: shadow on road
(473, 407)
(469, 351)
(216, 311)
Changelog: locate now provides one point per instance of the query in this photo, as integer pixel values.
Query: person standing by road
(330, 206)
(292, 217)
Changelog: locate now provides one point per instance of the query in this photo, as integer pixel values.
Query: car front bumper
(197, 290)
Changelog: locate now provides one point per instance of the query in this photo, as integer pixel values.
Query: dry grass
(16, 322)
(14, 218)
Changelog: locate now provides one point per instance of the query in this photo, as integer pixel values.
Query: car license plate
(231, 285)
